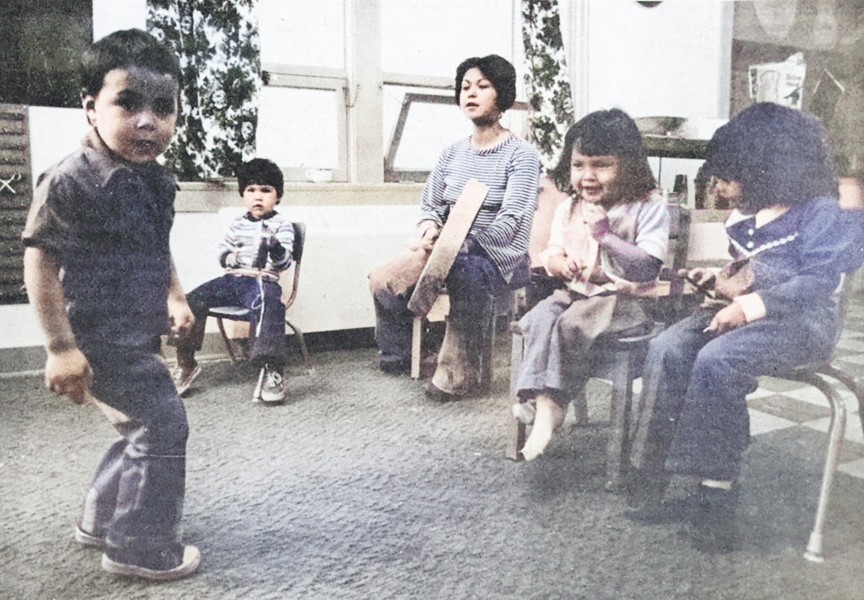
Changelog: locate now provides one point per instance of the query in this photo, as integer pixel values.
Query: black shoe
(676, 510)
(644, 488)
(433, 392)
(713, 529)
(395, 367)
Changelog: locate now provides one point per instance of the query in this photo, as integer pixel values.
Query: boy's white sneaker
(271, 387)
(183, 379)
(189, 563)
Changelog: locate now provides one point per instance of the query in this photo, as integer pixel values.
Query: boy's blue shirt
(108, 224)
(797, 259)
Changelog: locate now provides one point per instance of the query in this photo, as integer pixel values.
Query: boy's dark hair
(779, 156)
(608, 133)
(260, 171)
(498, 71)
(121, 50)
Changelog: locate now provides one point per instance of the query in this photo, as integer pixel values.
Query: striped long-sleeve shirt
(238, 251)
(511, 170)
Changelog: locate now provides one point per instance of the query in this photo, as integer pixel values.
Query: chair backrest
(297, 255)
(679, 242)
(679, 236)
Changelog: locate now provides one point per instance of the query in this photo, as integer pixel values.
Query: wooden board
(446, 247)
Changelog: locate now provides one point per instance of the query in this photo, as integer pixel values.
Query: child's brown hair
(608, 133)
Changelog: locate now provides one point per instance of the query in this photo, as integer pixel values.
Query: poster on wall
(780, 82)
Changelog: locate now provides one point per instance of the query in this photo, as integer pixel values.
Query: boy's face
(260, 199)
(134, 113)
(596, 178)
(730, 191)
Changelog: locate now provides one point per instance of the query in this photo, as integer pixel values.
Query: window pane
(429, 128)
(433, 37)
(298, 128)
(302, 33)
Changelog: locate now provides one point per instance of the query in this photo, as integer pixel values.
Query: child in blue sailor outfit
(773, 307)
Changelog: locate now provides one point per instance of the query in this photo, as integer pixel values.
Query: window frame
(319, 79)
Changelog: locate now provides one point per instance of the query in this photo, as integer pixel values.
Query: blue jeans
(472, 280)
(136, 497)
(693, 413)
(268, 315)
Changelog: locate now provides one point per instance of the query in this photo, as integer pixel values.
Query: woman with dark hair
(607, 244)
(772, 308)
(494, 255)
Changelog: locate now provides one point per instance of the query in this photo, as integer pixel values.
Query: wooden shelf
(670, 147)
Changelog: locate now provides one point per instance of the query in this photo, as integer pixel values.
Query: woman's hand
(702, 279)
(429, 232)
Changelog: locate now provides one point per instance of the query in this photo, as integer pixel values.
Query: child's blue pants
(693, 411)
(231, 290)
(136, 497)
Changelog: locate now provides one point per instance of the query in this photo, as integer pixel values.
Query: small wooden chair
(241, 313)
(617, 358)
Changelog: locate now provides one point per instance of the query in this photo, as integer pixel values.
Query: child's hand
(699, 277)
(275, 248)
(565, 267)
(596, 219)
(181, 315)
(68, 373)
(727, 319)
(572, 267)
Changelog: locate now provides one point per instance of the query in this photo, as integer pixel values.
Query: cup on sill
(319, 175)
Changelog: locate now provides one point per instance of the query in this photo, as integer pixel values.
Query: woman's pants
(472, 285)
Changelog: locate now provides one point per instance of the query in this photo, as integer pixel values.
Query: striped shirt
(511, 170)
(238, 252)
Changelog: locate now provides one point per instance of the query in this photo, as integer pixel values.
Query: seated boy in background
(256, 249)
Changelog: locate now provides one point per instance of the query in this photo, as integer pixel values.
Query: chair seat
(236, 313)
(613, 342)
(241, 313)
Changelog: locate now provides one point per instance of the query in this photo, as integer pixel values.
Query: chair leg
(307, 361)
(416, 347)
(850, 383)
(836, 431)
(515, 437)
(580, 408)
(487, 349)
(515, 429)
(227, 342)
(617, 450)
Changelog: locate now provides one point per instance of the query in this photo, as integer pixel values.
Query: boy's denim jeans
(268, 315)
(136, 497)
(693, 412)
